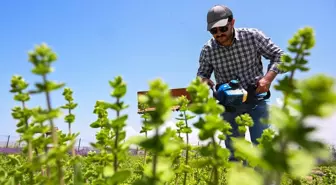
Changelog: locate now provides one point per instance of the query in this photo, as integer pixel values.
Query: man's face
(223, 34)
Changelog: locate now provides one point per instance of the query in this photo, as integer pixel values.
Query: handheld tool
(233, 94)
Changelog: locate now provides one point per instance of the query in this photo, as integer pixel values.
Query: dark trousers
(256, 111)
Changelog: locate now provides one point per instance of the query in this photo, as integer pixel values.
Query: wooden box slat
(177, 92)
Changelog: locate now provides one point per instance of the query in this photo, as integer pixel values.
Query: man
(235, 53)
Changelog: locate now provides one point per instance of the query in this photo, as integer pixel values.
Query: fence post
(19, 142)
(7, 141)
(79, 143)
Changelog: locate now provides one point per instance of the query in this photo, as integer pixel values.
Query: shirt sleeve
(205, 69)
(269, 50)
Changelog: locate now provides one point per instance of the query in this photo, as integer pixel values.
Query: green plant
(291, 151)
(70, 118)
(22, 114)
(145, 127)
(110, 137)
(214, 155)
(183, 126)
(162, 145)
(45, 153)
(285, 155)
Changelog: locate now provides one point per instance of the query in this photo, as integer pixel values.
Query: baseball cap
(218, 16)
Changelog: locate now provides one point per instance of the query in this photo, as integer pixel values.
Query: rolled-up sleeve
(205, 69)
(269, 50)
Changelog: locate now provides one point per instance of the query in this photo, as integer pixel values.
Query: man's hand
(208, 81)
(265, 82)
(263, 85)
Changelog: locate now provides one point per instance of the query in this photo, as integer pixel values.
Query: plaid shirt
(241, 60)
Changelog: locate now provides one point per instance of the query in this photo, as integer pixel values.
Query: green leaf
(69, 118)
(186, 130)
(200, 163)
(48, 86)
(18, 84)
(245, 150)
(301, 163)
(172, 146)
(143, 98)
(153, 144)
(119, 91)
(221, 137)
(41, 69)
(135, 140)
(95, 124)
(205, 134)
(22, 97)
(286, 58)
(278, 117)
(119, 122)
(243, 176)
(119, 87)
(318, 97)
(3, 173)
(197, 108)
(164, 170)
(108, 171)
(119, 177)
(244, 120)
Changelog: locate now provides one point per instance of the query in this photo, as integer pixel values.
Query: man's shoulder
(247, 32)
(241, 33)
(209, 44)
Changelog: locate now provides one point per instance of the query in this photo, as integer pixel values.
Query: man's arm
(272, 52)
(205, 69)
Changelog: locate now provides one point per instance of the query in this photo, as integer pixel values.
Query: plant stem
(30, 147)
(69, 125)
(54, 136)
(155, 157)
(29, 143)
(145, 152)
(283, 149)
(176, 178)
(211, 173)
(115, 162)
(187, 149)
(215, 156)
(297, 57)
(283, 141)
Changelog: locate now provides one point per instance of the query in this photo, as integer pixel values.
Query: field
(321, 175)
(286, 155)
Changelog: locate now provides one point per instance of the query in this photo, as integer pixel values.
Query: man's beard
(221, 36)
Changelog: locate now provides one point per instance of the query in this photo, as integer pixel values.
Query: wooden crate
(177, 92)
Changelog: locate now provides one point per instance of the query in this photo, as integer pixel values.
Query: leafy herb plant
(285, 154)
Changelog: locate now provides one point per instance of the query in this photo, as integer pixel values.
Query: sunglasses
(222, 29)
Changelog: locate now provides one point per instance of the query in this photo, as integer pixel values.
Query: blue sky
(98, 40)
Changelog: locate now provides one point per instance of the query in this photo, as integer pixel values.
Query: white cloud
(325, 126)
(130, 131)
(171, 123)
(279, 101)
